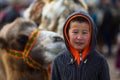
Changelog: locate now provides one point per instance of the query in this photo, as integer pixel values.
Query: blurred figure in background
(117, 61)
(106, 29)
(117, 24)
(92, 9)
(12, 11)
(116, 15)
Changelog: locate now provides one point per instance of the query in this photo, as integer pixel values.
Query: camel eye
(22, 39)
(57, 39)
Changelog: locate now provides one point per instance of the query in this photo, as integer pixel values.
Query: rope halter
(25, 54)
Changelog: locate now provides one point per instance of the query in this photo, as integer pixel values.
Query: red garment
(118, 59)
(2, 14)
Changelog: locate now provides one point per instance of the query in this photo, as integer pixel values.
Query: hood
(92, 41)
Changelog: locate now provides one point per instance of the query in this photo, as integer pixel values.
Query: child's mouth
(79, 43)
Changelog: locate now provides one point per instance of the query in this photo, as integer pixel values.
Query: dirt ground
(113, 71)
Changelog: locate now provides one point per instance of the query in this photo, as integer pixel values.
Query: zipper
(79, 69)
(81, 64)
(81, 61)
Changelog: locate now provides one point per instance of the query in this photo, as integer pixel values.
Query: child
(81, 61)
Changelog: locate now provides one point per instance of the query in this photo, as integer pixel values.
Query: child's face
(79, 35)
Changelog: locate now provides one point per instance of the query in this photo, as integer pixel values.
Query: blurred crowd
(11, 9)
(105, 13)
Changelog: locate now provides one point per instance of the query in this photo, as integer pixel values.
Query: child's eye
(74, 32)
(85, 32)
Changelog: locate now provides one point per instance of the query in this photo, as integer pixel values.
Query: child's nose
(79, 36)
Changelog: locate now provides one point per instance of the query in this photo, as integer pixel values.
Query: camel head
(22, 37)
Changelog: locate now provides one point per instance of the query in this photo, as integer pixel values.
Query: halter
(25, 54)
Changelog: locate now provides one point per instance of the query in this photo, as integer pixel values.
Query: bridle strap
(25, 54)
(28, 47)
(14, 53)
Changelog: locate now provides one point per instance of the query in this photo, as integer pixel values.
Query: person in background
(106, 29)
(81, 60)
(117, 59)
(12, 11)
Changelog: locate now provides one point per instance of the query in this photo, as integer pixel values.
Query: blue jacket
(93, 67)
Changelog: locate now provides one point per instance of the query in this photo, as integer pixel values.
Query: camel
(51, 14)
(26, 53)
(34, 10)
(55, 13)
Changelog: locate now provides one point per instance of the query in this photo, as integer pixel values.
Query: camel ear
(3, 43)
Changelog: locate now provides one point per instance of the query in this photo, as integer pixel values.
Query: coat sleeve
(104, 72)
(55, 72)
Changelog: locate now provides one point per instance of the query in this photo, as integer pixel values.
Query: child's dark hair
(77, 19)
